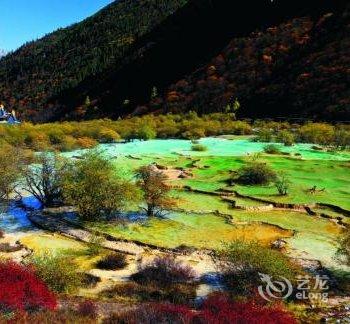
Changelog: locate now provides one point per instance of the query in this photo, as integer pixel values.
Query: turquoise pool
(216, 147)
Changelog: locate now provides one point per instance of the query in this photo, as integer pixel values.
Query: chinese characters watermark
(307, 288)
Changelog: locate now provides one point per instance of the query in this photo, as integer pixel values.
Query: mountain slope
(298, 69)
(117, 56)
(61, 60)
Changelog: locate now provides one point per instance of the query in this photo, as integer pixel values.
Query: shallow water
(210, 283)
(13, 219)
(215, 146)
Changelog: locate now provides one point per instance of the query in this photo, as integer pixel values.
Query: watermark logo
(281, 289)
(307, 288)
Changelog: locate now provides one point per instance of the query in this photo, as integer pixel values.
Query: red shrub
(22, 291)
(220, 309)
(217, 309)
(88, 309)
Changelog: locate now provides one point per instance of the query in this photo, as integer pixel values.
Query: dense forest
(38, 71)
(297, 69)
(136, 57)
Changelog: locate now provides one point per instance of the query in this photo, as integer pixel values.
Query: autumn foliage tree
(155, 190)
(10, 170)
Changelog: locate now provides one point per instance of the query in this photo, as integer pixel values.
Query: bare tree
(42, 180)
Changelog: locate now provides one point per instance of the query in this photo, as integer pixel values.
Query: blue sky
(25, 20)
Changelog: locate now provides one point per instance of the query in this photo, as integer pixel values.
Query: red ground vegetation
(22, 291)
(218, 308)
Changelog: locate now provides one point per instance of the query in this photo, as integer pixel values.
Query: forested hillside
(35, 73)
(300, 68)
(136, 57)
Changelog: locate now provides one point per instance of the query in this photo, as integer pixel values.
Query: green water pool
(215, 147)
